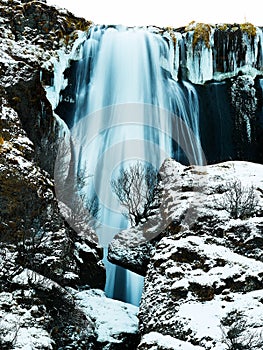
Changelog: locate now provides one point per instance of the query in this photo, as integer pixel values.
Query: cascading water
(126, 99)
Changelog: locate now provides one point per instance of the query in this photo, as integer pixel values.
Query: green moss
(249, 28)
(222, 27)
(171, 33)
(202, 32)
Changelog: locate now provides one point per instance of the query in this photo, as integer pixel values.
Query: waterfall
(129, 107)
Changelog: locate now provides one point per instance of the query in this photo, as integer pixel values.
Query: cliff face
(31, 34)
(39, 253)
(215, 263)
(224, 64)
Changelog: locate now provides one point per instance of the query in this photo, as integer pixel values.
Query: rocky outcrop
(29, 132)
(206, 265)
(31, 34)
(40, 255)
(43, 261)
(116, 323)
(199, 259)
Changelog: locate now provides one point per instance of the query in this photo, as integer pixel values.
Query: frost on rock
(59, 65)
(37, 249)
(204, 266)
(37, 41)
(23, 327)
(115, 322)
(220, 52)
(198, 60)
(154, 340)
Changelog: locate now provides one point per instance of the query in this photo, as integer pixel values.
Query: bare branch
(136, 189)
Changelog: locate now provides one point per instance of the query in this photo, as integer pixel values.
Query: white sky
(173, 13)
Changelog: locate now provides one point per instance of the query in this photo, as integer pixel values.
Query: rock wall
(206, 266)
(40, 254)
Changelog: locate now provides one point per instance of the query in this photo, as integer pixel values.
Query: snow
(111, 317)
(203, 270)
(204, 318)
(71, 276)
(167, 342)
(20, 327)
(28, 276)
(85, 248)
(33, 338)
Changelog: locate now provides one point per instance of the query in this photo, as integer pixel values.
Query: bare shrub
(135, 188)
(239, 201)
(80, 210)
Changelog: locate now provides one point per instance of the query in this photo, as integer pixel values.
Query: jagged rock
(35, 241)
(32, 33)
(38, 313)
(30, 218)
(138, 255)
(205, 264)
(244, 102)
(40, 255)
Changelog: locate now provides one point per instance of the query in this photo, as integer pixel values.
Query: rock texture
(200, 261)
(204, 277)
(43, 261)
(40, 256)
(31, 34)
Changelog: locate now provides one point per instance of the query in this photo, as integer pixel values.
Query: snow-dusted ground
(158, 341)
(23, 318)
(112, 318)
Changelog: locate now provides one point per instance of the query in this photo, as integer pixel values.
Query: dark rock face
(31, 32)
(28, 98)
(42, 23)
(230, 38)
(29, 133)
(39, 253)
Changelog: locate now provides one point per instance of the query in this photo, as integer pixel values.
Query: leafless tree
(238, 200)
(136, 189)
(77, 208)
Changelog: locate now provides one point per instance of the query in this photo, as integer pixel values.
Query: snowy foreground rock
(116, 323)
(204, 280)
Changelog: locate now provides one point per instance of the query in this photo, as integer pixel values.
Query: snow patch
(111, 317)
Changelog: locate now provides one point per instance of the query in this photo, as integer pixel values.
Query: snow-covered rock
(39, 253)
(116, 323)
(205, 272)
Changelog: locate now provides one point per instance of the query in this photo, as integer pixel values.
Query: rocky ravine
(43, 262)
(204, 279)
